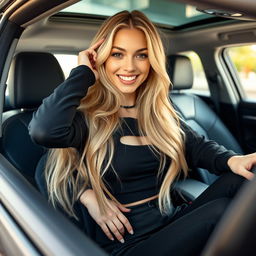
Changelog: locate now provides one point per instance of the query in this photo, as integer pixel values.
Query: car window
(67, 62)
(200, 84)
(243, 59)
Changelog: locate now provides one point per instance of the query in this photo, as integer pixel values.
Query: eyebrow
(122, 49)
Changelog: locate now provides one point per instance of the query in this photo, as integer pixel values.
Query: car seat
(195, 111)
(32, 77)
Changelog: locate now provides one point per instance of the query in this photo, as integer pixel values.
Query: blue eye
(116, 54)
(142, 56)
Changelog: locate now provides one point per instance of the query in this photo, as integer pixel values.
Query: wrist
(85, 73)
(232, 160)
(84, 196)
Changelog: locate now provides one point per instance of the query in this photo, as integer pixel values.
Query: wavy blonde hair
(68, 173)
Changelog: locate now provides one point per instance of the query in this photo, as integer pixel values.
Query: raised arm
(57, 123)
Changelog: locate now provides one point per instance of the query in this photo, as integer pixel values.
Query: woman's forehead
(130, 38)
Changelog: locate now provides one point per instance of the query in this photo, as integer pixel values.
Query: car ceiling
(70, 34)
(245, 7)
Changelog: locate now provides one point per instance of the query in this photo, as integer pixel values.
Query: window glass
(67, 62)
(160, 11)
(200, 84)
(244, 60)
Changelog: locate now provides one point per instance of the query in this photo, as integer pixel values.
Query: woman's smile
(131, 79)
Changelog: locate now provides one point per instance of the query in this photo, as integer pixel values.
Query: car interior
(34, 33)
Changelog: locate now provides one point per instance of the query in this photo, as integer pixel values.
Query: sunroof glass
(160, 11)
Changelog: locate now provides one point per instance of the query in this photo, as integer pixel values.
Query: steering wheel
(235, 235)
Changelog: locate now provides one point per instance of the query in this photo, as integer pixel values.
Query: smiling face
(127, 65)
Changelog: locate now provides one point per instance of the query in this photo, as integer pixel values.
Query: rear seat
(197, 113)
(33, 76)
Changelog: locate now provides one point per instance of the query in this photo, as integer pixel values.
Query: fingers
(92, 55)
(106, 231)
(242, 164)
(98, 44)
(117, 229)
(88, 57)
(247, 174)
(115, 223)
(123, 208)
(123, 219)
(126, 223)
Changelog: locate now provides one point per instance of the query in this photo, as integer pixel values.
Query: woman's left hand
(242, 165)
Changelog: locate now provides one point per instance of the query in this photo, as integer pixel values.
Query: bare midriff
(141, 201)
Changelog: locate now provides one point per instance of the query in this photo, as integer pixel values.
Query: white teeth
(127, 78)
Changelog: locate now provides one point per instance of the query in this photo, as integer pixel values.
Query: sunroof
(159, 11)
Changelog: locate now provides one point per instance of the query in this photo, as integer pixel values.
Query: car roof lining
(55, 34)
(246, 7)
(32, 11)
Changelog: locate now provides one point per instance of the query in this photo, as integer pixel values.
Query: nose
(129, 64)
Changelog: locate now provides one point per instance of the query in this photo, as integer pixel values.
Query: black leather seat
(195, 111)
(33, 76)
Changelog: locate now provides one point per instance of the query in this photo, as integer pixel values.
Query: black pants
(184, 233)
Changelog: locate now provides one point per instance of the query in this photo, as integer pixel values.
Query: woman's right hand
(113, 221)
(88, 57)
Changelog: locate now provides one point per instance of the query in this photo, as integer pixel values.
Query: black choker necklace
(132, 106)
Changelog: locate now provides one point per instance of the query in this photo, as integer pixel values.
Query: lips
(127, 79)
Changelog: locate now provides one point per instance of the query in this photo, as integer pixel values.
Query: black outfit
(58, 124)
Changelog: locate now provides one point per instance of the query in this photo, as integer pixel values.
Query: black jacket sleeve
(57, 123)
(204, 153)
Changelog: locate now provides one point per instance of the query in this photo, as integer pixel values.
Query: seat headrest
(180, 71)
(33, 76)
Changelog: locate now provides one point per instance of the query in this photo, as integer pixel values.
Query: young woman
(118, 146)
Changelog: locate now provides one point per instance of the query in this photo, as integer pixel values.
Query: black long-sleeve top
(58, 124)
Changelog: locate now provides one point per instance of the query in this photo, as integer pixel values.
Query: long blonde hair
(68, 173)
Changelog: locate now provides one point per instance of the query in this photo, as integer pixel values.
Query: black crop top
(58, 124)
(136, 166)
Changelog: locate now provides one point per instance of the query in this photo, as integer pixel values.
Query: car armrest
(190, 188)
